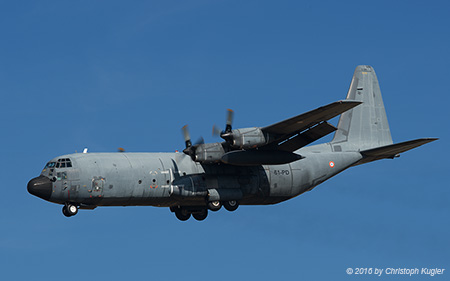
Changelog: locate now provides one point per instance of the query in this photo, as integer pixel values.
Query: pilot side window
(64, 163)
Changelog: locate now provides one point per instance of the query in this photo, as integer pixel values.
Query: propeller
(216, 130)
(230, 114)
(190, 148)
(187, 137)
(200, 140)
(227, 133)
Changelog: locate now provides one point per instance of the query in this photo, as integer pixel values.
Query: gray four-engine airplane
(252, 166)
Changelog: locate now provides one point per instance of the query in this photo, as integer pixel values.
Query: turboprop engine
(242, 147)
(246, 138)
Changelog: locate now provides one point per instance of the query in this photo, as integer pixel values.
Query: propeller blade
(216, 131)
(187, 137)
(230, 114)
(200, 141)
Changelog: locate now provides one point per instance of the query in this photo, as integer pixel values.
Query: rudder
(365, 126)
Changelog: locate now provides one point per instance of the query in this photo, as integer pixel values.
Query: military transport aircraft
(252, 166)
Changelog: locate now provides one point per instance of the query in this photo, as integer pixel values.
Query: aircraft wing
(391, 151)
(306, 120)
(296, 132)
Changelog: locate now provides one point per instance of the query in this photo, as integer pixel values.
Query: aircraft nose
(40, 187)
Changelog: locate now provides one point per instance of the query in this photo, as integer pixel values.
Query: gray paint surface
(365, 126)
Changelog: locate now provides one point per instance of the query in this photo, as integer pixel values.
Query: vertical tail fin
(365, 126)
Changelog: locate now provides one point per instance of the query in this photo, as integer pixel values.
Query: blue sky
(109, 74)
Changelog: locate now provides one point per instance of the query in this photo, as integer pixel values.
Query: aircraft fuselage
(173, 179)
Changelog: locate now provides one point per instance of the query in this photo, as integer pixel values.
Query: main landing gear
(183, 213)
(231, 206)
(69, 210)
(214, 205)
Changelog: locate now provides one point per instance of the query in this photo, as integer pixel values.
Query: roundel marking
(331, 164)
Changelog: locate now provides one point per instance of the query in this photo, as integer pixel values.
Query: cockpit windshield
(63, 163)
(50, 165)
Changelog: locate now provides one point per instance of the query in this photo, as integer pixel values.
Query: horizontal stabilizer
(391, 151)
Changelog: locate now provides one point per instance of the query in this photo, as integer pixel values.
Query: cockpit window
(63, 163)
(50, 165)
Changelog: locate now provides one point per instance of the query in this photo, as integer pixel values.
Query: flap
(307, 137)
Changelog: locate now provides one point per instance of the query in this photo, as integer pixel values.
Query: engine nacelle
(209, 152)
(248, 138)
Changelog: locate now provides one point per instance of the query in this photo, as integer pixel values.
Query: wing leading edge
(301, 130)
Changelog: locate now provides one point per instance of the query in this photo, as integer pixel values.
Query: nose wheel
(69, 210)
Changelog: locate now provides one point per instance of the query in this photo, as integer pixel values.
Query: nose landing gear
(69, 210)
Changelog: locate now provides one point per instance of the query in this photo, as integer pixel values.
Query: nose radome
(40, 187)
